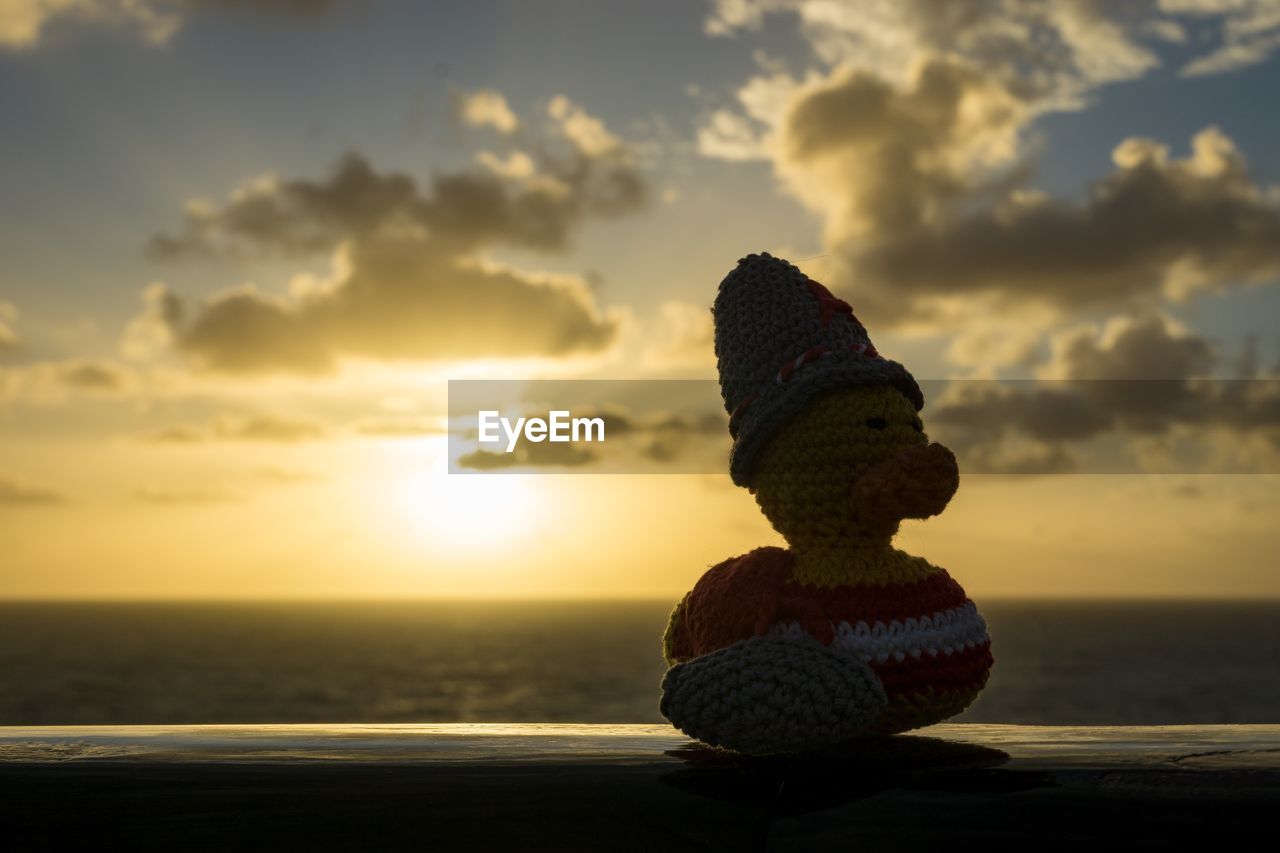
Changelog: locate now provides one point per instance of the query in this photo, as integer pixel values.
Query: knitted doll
(841, 634)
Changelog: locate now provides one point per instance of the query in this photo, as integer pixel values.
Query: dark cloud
(93, 376)
(295, 217)
(1141, 378)
(409, 281)
(1147, 346)
(399, 427)
(1048, 427)
(16, 493)
(882, 158)
(264, 428)
(458, 212)
(197, 495)
(528, 454)
(1016, 457)
(56, 380)
(927, 192)
(1155, 227)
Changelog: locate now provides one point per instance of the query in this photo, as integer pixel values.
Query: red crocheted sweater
(926, 634)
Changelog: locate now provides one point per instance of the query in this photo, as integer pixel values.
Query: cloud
(1065, 48)
(1148, 346)
(52, 381)
(8, 337)
(1135, 378)
(1016, 455)
(1249, 32)
(533, 207)
(24, 24)
(528, 455)
(926, 193)
(410, 279)
(995, 344)
(682, 336)
(263, 428)
(726, 135)
(151, 332)
(1156, 227)
(17, 493)
(1056, 51)
(585, 131)
(396, 300)
(485, 108)
(299, 217)
(93, 376)
(403, 426)
(910, 134)
(878, 159)
(196, 495)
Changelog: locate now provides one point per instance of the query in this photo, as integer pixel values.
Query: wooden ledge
(628, 787)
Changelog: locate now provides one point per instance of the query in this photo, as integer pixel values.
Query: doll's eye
(877, 423)
(917, 425)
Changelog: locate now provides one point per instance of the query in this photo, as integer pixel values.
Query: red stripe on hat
(829, 304)
(735, 418)
(812, 354)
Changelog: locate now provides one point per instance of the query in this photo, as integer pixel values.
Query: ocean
(158, 663)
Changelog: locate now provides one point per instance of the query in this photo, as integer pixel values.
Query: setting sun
(467, 513)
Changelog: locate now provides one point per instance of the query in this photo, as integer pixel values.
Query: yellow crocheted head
(849, 467)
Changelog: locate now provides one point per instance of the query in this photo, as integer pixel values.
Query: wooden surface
(582, 787)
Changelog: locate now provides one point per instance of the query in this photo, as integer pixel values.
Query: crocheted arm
(732, 684)
(732, 601)
(768, 695)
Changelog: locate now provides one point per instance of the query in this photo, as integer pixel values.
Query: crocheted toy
(841, 634)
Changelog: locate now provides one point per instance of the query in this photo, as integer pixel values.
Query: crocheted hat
(782, 339)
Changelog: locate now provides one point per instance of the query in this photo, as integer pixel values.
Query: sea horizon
(157, 662)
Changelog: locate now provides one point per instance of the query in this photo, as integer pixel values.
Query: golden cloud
(485, 108)
(910, 136)
(410, 281)
(25, 23)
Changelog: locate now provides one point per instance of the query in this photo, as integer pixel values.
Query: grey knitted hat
(782, 339)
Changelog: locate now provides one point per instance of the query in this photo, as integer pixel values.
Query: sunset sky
(246, 243)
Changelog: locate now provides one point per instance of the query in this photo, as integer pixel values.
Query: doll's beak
(916, 483)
